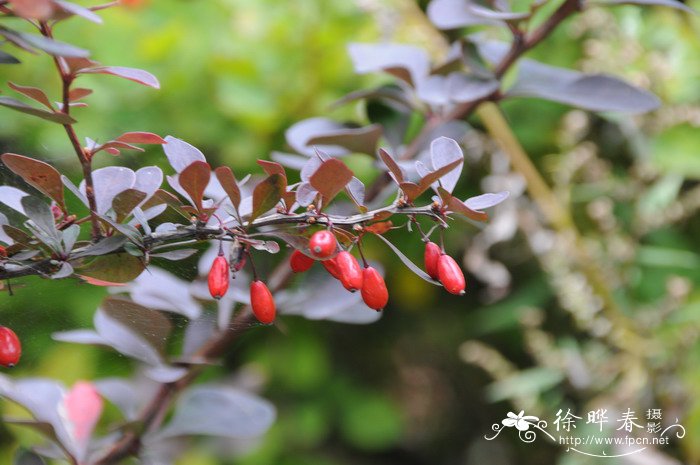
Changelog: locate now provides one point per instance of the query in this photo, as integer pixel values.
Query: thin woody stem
(83, 157)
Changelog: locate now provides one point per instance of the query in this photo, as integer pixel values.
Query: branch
(198, 232)
(85, 161)
(153, 414)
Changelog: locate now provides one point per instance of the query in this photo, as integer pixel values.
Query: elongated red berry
(300, 262)
(431, 256)
(331, 267)
(262, 302)
(218, 277)
(322, 244)
(10, 347)
(451, 275)
(374, 292)
(349, 271)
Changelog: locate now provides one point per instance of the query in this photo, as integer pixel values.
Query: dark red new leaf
(56, 117)
(194, 180)
(33, 93)
(78, 93)
(38, 174)
(272, 167)
(330, 178)
(132, 74)
(457, 206)
(229, 184)
(267, 193)
(392, 165)
(141, 138)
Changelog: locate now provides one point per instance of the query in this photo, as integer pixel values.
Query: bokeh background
(425, 383)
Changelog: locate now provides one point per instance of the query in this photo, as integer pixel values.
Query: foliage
(411, 135)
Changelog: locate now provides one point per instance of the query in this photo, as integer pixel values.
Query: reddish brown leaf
(267, 193)
(164, 197)
(115, 145)
(194, 180)
(141, 138)
(379, 228)
(125, 202)
(132, 74)
(438, 173)
(457, 206)
(382, 215)
(330, 178)
(272, 167)
(78, 93)
(33, 9)
(38, 174)
(33, 93)
(413, 190)
(76, 64)
(229, 184)
(392, 165)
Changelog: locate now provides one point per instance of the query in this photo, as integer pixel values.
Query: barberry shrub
(325, 217)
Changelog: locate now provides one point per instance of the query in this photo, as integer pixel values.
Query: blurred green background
(425, 383)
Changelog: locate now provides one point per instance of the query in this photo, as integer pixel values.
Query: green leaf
(267, 193)
(115, 268)
(56, 117)
(125, 202)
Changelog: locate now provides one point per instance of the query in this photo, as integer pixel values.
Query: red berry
(218, 277)
(300, 262)
(374, 291)
(322, 244)
(349, 271)
(431, 256)
(262, 302)
(451, 275)
(331, 266)
(10, 348)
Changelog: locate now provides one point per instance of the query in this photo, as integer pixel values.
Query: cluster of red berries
(344, 267)
(261, 300)
(444, 268)
(10, 348)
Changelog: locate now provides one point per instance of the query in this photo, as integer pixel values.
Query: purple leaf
(109, 182)
(480, 202)
(50, 46)
(333, 138)
(411, 64)
(219, 411)
(158, 289)
(181, 154)
(78, 10)
(137, 75)
(453, 14)
(330, 178)
(669, 3)
(591, 92)
(306, 194)
(444, 151)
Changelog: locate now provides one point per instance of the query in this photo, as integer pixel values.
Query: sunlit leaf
(33, 93)
(132, 74)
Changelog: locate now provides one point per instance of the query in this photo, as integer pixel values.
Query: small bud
(219, 277)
